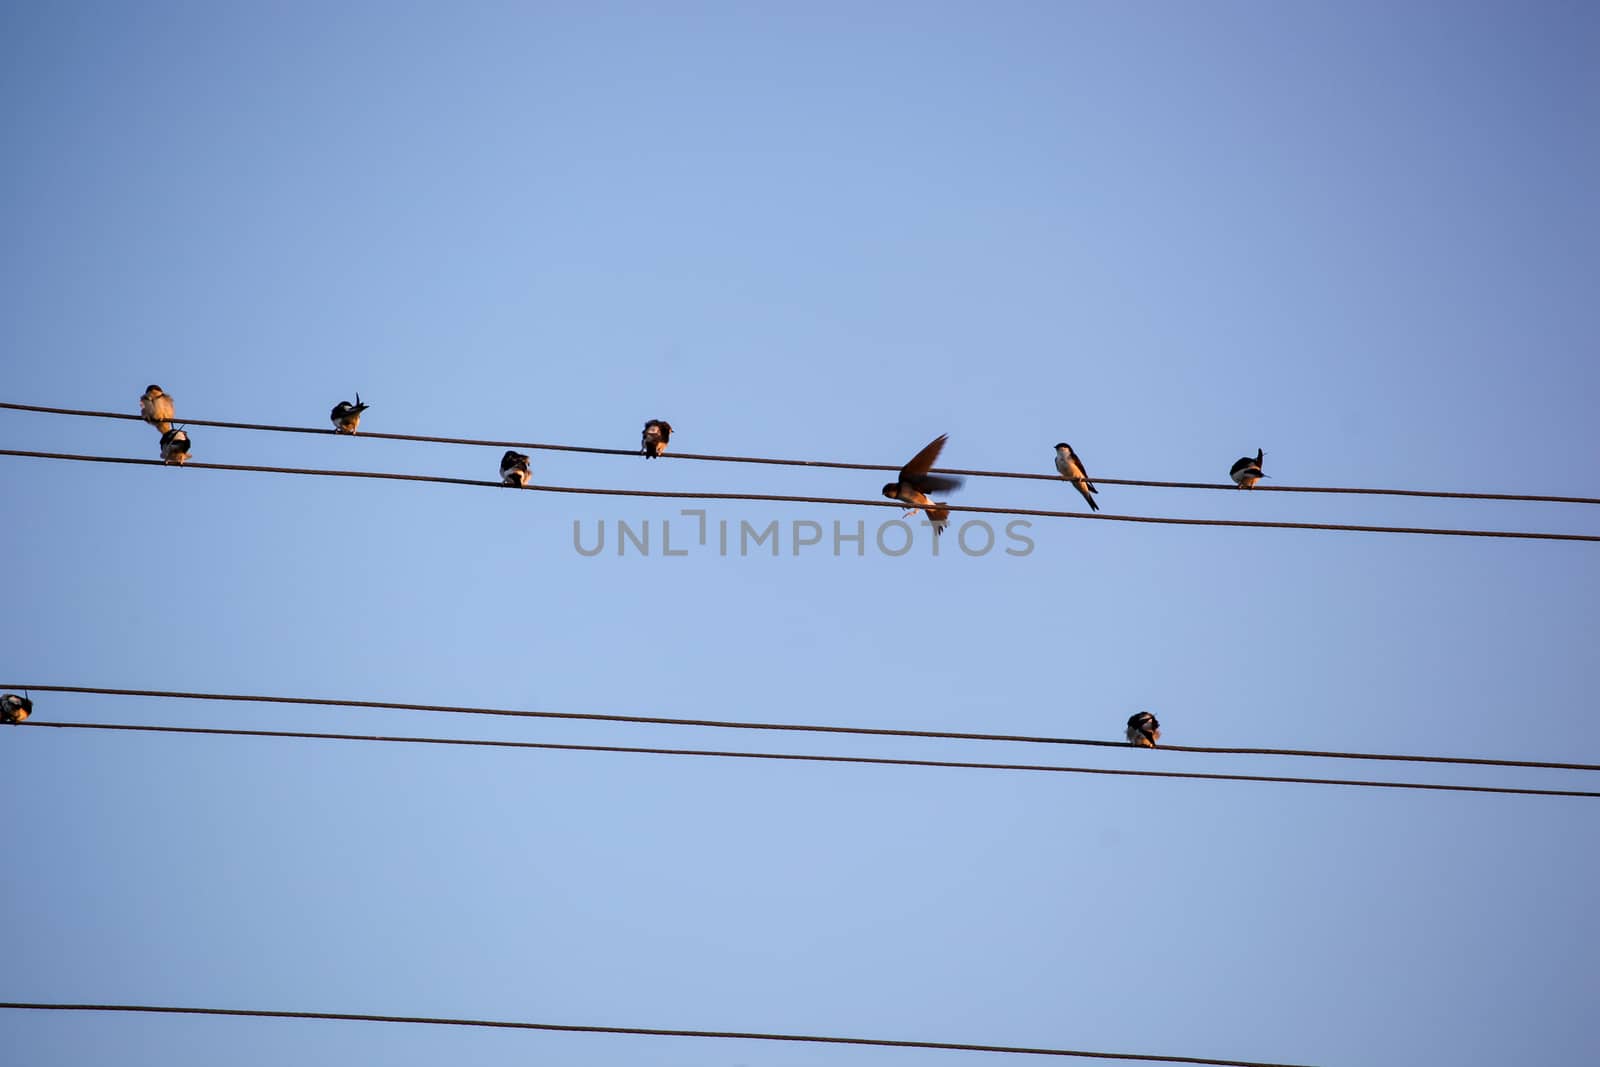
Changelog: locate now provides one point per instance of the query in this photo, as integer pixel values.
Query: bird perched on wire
(1071, 468)
(1246, 471)
(175, 447)
(1144, 729)
(156, 408)
(347, 416)
(656, 436)
(915, 483)
(514, 469)
(15, 709)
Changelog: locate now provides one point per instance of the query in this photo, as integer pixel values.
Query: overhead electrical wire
(735, 724)
(840, 501)
(824, 464)
(801, 757)
(645, 1031)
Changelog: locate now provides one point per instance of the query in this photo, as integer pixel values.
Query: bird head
(892, 490)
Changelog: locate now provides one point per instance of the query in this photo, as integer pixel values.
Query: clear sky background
(1361, 236)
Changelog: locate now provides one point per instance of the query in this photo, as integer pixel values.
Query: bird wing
(923, 460)
(935, 483)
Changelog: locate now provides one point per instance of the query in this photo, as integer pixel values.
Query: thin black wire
(879, 761)
(826, 464)
(735, 724)
(643, 1031)
(843, 501)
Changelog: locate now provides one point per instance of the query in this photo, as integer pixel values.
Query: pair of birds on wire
(1245, 472)
(915, 482)
(515, 469)
(14, 709)
(1144, 730)
(155, 406)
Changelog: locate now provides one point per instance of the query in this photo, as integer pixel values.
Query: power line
(644, 1031)
(824, 464)
(735, 724)
(878, 761)
(842, 501)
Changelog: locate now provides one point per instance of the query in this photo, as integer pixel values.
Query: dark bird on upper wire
(15, 709)
(916, 483)
(1071, 468)
(1246, 471)
(156, 408)
(514, 469)
(656, 435)
(1144, 729)
(346, 416)
(175, 447)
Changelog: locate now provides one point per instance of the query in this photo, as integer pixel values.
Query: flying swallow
(347, 416)
(916, 483)
(514, 469)
(15, 709)
(156, 407)
(1246, 472)
(1071, 468)
(175, 447)
(1143, 729)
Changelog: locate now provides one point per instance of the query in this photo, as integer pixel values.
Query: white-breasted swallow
(514, 469)
(347, 416)
(175, 447)
(915, 483)
(1246, 471)
(156, 407)
(15, 709)
(1071, 468)
(1144, 729)
(654, 440)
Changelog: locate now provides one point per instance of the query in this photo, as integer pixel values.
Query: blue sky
(1360, 236)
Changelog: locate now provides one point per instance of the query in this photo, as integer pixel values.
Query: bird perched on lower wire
(656, 436)
(1246, 471)
(514, 469)
(15, 709)
(1144, 729)
(175, 447)
(1071, 468)
(915, 483)
(347, 416)
(156, 408)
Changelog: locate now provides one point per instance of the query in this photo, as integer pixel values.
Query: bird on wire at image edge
(15, 709)
(346, 417)
(1144, 729)
(916, 483)
(156, 408)
(1245, 471)
(175, 447)
(1071, 468)
(656, 435)
(514, 469)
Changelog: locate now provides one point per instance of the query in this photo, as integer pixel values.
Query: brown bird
(916, 483)
(514, 469)
(656, 436)
(15, 709)
(175, 447)
(346, 417)
(156, 407)
(1144, 729)
(1246, 471)
(1071, 468)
